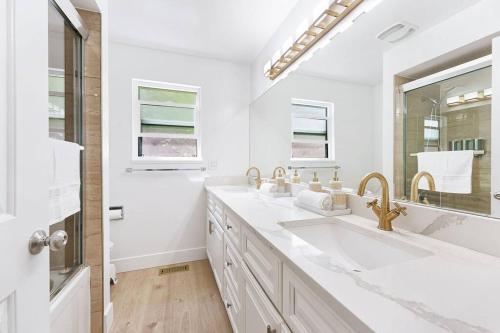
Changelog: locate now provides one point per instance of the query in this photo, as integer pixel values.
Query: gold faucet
(384, 212)
(416, 180)
(258, 180)
(278, 168)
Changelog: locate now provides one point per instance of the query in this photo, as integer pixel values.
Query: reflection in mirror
(447, 134)
(329, 112)
(307, 121)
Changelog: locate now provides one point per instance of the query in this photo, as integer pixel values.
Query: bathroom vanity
(280, 268)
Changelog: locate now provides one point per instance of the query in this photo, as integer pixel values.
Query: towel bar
(476, 153)
(130, 170)
(310, 167)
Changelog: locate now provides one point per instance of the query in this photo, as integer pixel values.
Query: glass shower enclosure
(65, 123)
(453, 114)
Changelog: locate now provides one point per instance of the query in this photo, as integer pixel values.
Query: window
(56, 104)
(312, 130)
(166, 122)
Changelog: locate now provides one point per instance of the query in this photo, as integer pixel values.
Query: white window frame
(304, 161)
(56, 72)
(136, 122)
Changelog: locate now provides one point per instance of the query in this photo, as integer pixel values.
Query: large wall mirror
(329, 113)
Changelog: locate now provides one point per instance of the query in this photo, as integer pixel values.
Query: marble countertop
(453, 290)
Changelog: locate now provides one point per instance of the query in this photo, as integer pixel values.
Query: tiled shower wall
(92, 226)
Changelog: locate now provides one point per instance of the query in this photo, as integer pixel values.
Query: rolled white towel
(319, 200)
(268, 188)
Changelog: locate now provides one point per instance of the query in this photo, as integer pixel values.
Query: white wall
(435, 46)
(165, 212)
(270, 125)
(377, 127)
(302, 11)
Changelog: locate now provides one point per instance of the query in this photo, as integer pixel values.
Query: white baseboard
(159, 259)
(108, 318)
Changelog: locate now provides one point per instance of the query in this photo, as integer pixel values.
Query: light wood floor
(183, 302)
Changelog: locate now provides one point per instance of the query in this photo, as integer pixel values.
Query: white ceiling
(234, 30)
(356, 54)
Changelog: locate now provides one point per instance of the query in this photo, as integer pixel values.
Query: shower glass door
(65, 123)
(453, 114)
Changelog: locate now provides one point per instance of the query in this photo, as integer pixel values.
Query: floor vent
(174, 268)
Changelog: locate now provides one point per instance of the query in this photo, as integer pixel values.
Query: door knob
(56, 242)
(497, 195)
(270, 330)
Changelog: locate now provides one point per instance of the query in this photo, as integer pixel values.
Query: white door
(24, 278)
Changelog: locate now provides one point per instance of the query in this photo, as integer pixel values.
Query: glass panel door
(65, 123)
(450, 119)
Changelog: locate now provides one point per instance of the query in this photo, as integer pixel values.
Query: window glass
(167, 95)
(154, 147)
(310, 137)
(168, 127)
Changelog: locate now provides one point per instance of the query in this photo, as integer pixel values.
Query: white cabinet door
(305, 312)
(264, 264)
(215, 248)
(259, 315)
(24, 168)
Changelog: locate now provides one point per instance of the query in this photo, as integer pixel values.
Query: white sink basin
(355, 247)
(237, 189)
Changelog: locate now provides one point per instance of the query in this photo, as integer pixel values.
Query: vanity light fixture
(488, 92)
(473, 96)
(324, 23)
(470, 97)
(455, 100)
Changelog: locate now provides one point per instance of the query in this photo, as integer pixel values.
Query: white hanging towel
(451, 170)
(64, 180)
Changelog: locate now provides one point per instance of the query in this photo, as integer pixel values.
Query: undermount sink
(237, 189)
(354, 247)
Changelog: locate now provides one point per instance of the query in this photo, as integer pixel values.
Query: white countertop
(453, 290)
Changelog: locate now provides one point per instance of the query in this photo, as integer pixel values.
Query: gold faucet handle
(370, 204)
(400, 209)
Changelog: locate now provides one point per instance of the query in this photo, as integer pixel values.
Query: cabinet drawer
(304, 311)
(233, 229)
(258, 314)
(232, 263)
(232, 301)
(264, 264)
(210, 202)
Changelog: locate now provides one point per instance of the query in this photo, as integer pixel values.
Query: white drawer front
(259, 315)
(233, 229)
(264, 264)
(232, 262)
(304, 311)
(210, 202)
(232, 301)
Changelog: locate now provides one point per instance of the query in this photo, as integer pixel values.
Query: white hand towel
(319, 200)
(64, 180)
(268, 188)
(451, 170)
